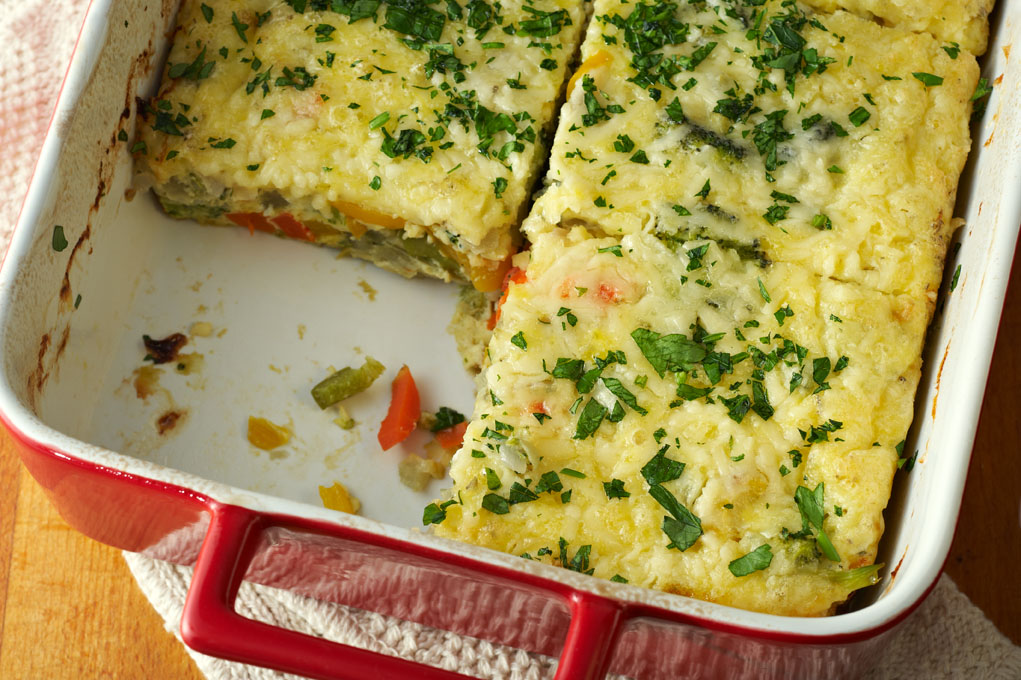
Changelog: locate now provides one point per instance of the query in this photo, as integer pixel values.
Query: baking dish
(198, 492)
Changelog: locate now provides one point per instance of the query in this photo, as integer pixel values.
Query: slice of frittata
(822, 140)
(407, 133)
(683, 419)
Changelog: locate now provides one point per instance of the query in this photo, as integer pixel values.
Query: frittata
(823, 140)
(703, 379)
(365, 125)
(655, 413)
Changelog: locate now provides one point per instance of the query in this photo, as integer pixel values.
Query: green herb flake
(207, 12)
(375, 183)
(239, 27)
(572, 473)
(859, 116)
(763, 292)
(953, 281)
(756, 560)
(683, 528)
(492, 480)
(379, 121)
(661, 469)
(615, 489)
(704, 191)
(519, 340)
(267, 113)
(433, 513)
(59, 241)
(613, 250)
(497, 505)
(591, 418)
(928, 79)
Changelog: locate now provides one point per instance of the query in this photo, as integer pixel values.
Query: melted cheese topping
(741, 467)
(963, 22)
(310, 101)
(728, 152)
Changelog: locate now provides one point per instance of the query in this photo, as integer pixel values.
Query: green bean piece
(347, 382)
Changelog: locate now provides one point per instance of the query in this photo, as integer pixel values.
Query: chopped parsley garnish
(822, 222)
(661, 469)
(683, 528)
(810, 503)
(492, 480)
(196, 70)
(591, 418)
(859, 116)
(613, 250)
(379, 121)
(953, 281)
(499, 186)
(615, 489)
(704, 191)
(767, 135)
(521, 494)
(239, 27)
(446, 418)
(298, 78)
(616, 387)
(756, 560)
(496, 504)
(434, 514)
(375, 183)
(580, 561)
(674, 352)
(549, 483)
(928, 79)
(518, 340)
(207, 12)
(59, 241)
(572, 473)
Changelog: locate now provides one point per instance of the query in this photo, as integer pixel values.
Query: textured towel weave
(947, 638)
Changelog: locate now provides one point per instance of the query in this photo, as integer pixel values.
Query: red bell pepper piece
(404, 412)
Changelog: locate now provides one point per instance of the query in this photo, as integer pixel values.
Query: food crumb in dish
(266, 435)
(368, 289)
(169, 420)
(344, 419)
(189, 363)
(165, 350)
(337, 497)
(416, 472)
(146, 382)
(346, 382)
(201, 329)
(301, 331)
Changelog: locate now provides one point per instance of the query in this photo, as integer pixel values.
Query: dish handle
(210, 625)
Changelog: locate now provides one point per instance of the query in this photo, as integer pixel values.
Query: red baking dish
(164, 468)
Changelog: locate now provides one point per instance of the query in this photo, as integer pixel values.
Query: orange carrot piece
(404, 412)
(451, 437)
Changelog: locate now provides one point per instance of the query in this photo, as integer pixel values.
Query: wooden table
(69, 608)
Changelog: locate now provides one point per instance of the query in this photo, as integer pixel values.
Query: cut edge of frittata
(363, 126)
(575, 427)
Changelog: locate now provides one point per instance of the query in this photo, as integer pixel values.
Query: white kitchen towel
(947, 638)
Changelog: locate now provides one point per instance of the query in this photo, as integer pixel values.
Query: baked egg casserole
(701, 371)
(363, 125)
